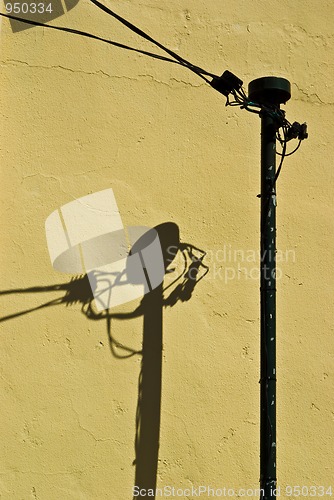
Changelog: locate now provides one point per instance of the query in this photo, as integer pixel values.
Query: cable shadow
(151, 307)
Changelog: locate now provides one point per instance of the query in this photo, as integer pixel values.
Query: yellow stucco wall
(79, 116)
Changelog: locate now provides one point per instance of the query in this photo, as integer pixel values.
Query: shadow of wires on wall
(189, 272)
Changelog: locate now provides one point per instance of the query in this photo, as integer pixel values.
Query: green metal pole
(271, 92)
(268, 308)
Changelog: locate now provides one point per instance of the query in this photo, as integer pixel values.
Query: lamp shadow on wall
(151, 307)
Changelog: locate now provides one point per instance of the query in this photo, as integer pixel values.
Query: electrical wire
(196, 69)
(283, 155)
(90, 35)
(291, 152)
(176, 58)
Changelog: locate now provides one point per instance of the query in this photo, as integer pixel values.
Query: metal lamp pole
(268, 91)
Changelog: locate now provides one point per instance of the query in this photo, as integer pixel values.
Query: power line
(90, 35)
(176, 59)
(196, 69)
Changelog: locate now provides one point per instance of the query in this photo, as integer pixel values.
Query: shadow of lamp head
(87, 236)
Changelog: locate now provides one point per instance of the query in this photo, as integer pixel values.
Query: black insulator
(226, 83)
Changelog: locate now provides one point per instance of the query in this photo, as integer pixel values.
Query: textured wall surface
(79, 116)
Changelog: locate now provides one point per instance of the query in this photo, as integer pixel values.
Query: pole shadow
(78, 290)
